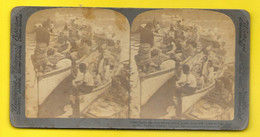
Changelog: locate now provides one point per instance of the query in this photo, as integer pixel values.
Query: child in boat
(116, 50)
(97, 79)
(211, 75)
(84, 80)
(84, 84)
(187, 85)
(107, 71)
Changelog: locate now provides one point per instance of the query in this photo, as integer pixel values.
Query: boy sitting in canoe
(83, 83)
(187, 84)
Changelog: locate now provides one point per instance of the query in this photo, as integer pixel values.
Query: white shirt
(191, 80)
(88, 78)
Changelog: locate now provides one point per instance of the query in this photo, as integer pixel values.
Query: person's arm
(158, 35)
(68, 48)
(173, 49)
(59, 56)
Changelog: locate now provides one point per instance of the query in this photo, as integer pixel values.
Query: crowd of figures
(174, 45)
(196, 54)
(59, 47)
(90, 51)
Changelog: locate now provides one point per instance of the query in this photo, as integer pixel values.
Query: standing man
(143, 57)
(42, 39)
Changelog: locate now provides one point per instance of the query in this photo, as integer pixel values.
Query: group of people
(60, 47)
(64, 46)
(197, 57)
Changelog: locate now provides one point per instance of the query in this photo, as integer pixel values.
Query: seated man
(158, 57)
(54, 57)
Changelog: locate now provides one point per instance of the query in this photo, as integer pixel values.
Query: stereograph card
(123, 68)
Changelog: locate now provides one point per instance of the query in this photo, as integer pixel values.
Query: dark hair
(82, 67)
(50, 52)
(185, 68)
(155, 52)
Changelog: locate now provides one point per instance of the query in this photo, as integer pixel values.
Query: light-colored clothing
(84, 77)
(98, 80)
(211, 75)
(205, 71)
(191, 80)
(88, 79)
(182, 78)
(107, 74)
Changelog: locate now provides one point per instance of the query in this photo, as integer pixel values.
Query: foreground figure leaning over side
(186, 85)
(84, 84)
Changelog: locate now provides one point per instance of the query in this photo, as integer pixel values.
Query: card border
(19, 17)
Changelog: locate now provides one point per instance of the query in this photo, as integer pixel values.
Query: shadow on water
(55, 102)
(157, 105)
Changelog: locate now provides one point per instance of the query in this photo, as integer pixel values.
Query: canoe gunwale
(107, 84)
(198, 91)
(55, 72)
(160, 72)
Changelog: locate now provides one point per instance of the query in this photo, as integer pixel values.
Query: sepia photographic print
(77, 64)
(129, 68)
(184, 61)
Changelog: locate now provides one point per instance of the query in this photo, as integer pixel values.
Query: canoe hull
(188, 101)
(86, 99)
(151, 84)
(48, 84)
